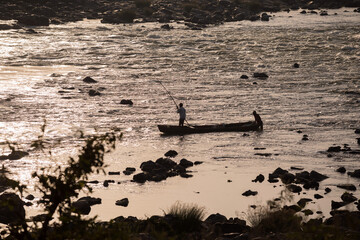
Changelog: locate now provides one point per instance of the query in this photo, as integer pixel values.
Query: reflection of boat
(230, 127)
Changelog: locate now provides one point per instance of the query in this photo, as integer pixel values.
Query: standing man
(182, 112)
(258, 119)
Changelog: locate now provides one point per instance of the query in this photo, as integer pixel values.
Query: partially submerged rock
(91, 200)
(186, 163)
(341, 170)
(260, 75)
(249, 193)
(171, 153)
(259, 178)
(294, 188)
(126, 102)
(89, 80)
(123, 202)
(347, 186)
(355, 174)
(348, 197)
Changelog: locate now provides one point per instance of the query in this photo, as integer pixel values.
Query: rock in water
(260, 75)
(250, 193)
(89, 80)
(126, 102)
(348, 197)
(123, 202)
(91, 200)
(350, 187)
(260, 178)
(186, 163)
(341, 170)
(294, 188)
(171, 153)
(355, 174)
(93, 93)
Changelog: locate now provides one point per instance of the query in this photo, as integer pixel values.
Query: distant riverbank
(202, 12)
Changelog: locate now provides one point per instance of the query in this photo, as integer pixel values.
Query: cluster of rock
(163, 168)
(157, 171)
(310, 180)
(200, 12)
(68, 92)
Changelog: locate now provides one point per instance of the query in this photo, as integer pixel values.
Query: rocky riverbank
(203, 12)
(277, 220)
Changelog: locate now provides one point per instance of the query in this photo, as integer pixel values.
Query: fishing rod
(168, 93)
(171, 98)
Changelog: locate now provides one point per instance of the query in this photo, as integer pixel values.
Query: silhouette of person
(182, 112)
(258, 119)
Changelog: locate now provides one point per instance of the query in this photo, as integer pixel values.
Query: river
(41, 79)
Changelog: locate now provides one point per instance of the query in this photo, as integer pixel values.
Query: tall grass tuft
(186, 217)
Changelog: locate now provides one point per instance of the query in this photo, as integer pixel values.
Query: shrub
(279, 221)
(187, 217)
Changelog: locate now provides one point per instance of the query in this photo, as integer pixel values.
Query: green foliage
(142, 3)
(187, 217)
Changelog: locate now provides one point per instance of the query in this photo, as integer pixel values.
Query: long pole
(171, 98)
(169, 94)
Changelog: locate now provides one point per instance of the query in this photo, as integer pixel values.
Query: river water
(41, 78)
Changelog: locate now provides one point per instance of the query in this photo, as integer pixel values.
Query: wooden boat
(229, 127)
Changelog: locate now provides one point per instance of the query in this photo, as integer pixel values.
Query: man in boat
(258, 119)
(182, 112)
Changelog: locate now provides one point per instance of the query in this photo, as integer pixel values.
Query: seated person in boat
(258, 119)
(182, 112)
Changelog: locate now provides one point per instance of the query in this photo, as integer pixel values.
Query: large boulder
(91, 200)
(186, 163)
(11, 208)
(355, 174)
(148, 166)
(216, 218)
(140, 177)
(166, 163)
(317, 177)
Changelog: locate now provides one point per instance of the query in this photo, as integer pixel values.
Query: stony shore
(198, 12)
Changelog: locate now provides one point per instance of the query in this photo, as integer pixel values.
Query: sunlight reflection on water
(41, 78)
